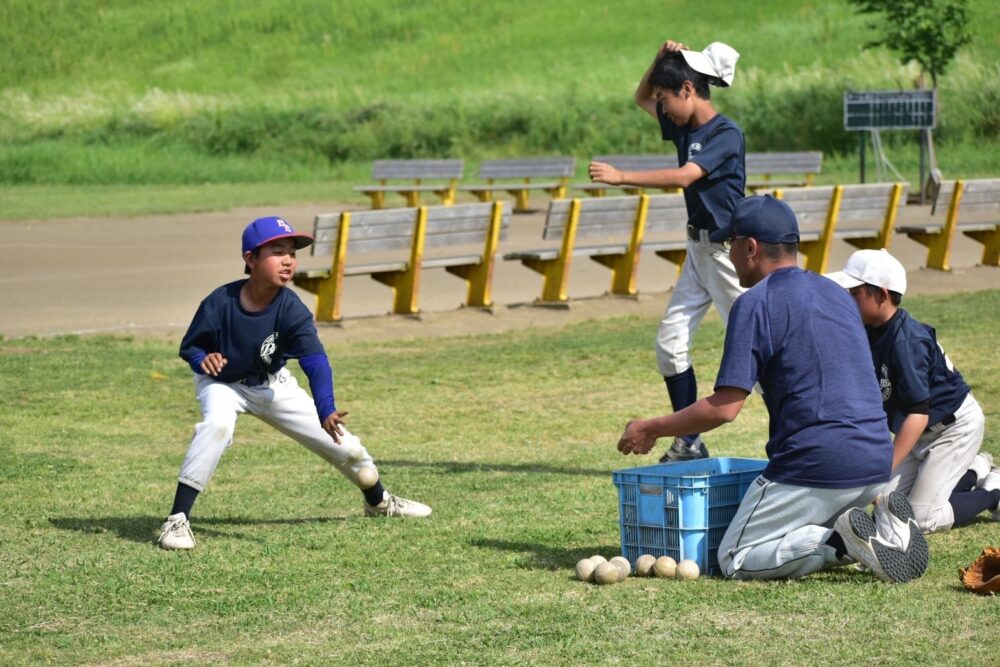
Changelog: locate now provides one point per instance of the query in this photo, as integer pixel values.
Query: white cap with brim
(717, 61)
(872, 267)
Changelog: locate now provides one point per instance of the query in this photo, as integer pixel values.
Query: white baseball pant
(939, 459)
(280, 403)
(780, 530)
(707, 277)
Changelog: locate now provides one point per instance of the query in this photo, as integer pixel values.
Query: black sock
(373, 496)
(967, 504)
(683, 391)
(837, 542)
(184, 499)
(967, 482)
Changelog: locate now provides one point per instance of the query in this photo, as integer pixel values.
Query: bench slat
(417, 169)
(558, 167)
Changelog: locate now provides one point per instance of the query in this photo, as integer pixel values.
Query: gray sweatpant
(780, 530)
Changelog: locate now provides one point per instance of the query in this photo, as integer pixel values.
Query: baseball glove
(983, 576)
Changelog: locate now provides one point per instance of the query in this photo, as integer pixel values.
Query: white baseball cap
(717, 61)
(872, 267)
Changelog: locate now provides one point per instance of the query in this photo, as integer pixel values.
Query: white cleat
(992, 483)
(981, 465)
(865, 546)
(395, 506)
(175, 533)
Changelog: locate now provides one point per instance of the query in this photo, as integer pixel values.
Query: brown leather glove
(983, 576)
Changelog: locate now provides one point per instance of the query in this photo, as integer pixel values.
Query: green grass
(510, 437)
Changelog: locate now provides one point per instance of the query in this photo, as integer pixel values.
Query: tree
(927, 31)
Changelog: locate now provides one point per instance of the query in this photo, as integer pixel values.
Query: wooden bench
(667, 229)
(979, 201)
(619, 218)
(413, 229)
(628, 163)
(415, 171)
(523, 169)
(765, 166)
(862, 215)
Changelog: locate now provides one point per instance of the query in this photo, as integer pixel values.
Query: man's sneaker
(682, 451)
(992, 483)
(896, 524)
(395, 506)
(981, 465)
(175, 533)
(864, 545)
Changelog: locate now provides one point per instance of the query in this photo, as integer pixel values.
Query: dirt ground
(146, 275)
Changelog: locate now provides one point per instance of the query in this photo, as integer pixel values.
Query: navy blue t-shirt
(719, 148)
(799, 334)
(913, 372)
(252, 343)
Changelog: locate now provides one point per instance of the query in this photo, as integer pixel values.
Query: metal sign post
(873, 111)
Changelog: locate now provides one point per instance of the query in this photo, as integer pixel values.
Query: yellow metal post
(625, 268)
(556, 282)
(480, 276)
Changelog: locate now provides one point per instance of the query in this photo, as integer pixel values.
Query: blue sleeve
(301, 337)
(199, 340)
(721, 153)
(747, 347)
(912, 364)
(317, 369)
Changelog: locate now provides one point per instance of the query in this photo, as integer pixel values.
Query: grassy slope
(517, 467)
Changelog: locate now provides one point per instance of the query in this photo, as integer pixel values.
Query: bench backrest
(667, 216)
(605, 216)
(981, 197)
(392, 229)
(811, 205)
(543, 167)
(639, 162)
(801, 162)
(864, 207)
(389, 170)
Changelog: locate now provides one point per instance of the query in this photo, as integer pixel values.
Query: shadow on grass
(144, 529)
(460, 467)
(545, 557)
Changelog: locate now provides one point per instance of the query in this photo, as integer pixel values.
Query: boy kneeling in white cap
(937, 423)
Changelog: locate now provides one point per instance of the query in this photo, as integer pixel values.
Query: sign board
(890, 110)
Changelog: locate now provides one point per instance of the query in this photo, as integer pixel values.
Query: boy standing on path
(938, 424)
(712, 172)
(237, 345)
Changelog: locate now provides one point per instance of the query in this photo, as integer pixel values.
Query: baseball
(687, 569)
(598, 559)
(644, 565)
(606, 573)
(624, 567)
(367, 477)
(585, 570)
(665, 566)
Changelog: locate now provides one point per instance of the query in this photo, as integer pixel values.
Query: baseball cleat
(682, 451)
(896, 524)
(981, 465)
(175, 533)
(992, 483)
(395, 506)
(865, 546)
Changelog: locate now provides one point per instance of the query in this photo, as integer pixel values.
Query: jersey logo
(268, 348)
(884, 384)
(284, 225)
(694, 149)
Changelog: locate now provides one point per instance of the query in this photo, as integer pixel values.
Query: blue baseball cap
(271, 228)
(764, 218)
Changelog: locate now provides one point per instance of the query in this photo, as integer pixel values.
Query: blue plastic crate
(682, 509)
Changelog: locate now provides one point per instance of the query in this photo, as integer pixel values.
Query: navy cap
(764, 218)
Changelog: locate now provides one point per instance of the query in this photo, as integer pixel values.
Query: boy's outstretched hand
(213, 364)
(635, 439)
(332, 425)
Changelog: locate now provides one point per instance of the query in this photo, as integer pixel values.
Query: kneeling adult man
(829, 451)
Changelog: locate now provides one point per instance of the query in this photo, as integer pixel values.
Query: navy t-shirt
(252, 343)
(913, 371)
(799, 335)
(719, 148)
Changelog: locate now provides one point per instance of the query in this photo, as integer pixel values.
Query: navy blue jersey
(717, 147)
(914, 374)
(253, 344)
(798, 334)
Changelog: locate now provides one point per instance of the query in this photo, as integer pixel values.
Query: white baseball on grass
(606, 573)
(367, 477)
(688, 569)
(665, 566)
(585, 570)
(624, 567)
(644, 565)
(598, 559)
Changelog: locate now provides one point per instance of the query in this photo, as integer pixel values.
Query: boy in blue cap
(237, 345)
(675, 90)
(829, 451)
